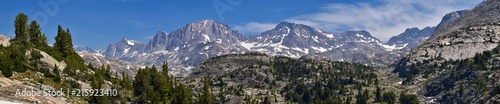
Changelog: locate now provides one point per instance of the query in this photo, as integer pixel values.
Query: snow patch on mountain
(131, 42)
(248, 46)
(319, 49)
(393, 47)
(207, 39)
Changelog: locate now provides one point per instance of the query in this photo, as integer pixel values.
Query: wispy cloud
(254, 28)
(384, 20)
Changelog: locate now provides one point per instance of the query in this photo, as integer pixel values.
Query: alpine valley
(206, 62)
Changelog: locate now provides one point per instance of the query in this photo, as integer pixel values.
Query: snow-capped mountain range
(188, 46)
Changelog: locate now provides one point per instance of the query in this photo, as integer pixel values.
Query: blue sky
(97, 23)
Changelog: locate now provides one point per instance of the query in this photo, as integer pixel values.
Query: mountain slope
(290, 39)
(122, 49)
(253, 76)
(360, 47)
(117, 66)
(474, 32)
(459, 62)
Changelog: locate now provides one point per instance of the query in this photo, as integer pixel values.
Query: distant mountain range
(190, 45)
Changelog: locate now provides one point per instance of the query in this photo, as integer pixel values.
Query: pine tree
(126, 88)
(206, 98)
(107, 72)
(306, 98)
(389, 98)
(125, 83)
(170, 84)
(142, 86)
(165, 86)
(64, 43)
(7, 72)
(36, 37)
(165, 68)
(182, 95)
(349, 100)
(36, 55)
(97, 83)
(378, 94)
(20, 24)
(408, 99)
(362, 97)
(57, 74)
(266, 100)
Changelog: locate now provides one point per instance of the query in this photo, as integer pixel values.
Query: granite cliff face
(474, 31)
(459, 62)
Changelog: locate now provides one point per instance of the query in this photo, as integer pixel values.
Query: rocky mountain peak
(291, 31)
(411, 37)
(486, 12)
(453, 15)
(123, 46)
(204, 31)
(285, 24)
(206, 25)
(361, 36)
(295, 28)
(160, 39)
(126, 41)
(359, 33)
(412, 30)
(85, 49)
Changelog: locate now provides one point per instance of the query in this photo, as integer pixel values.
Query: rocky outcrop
(461, 44)
(51, 61)
(457, 64)
(4, 40)
(474, 31)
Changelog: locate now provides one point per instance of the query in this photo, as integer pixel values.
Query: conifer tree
(165, 68)
(57, 74)
(206, 98)
(183, 95)
(64, 43)
(142, 85)
(20, 24)
(125, 83)
(36, 37)
(164, 85)
(389, 98)
(378, 94)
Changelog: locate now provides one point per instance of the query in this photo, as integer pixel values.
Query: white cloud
(384, 20)
(254, 28)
